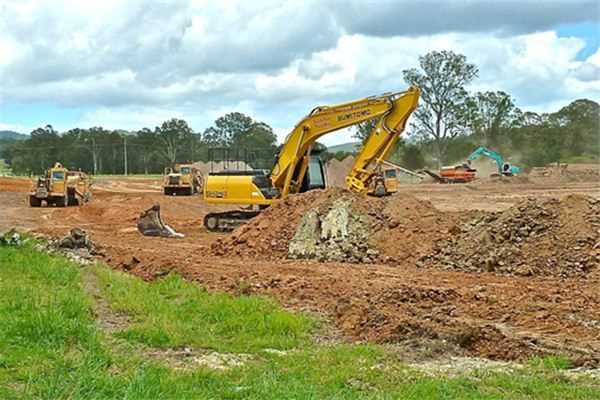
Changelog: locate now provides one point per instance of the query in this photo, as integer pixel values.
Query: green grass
(51, 347)
(175, 313)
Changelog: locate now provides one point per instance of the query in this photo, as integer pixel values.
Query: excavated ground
(428, 311)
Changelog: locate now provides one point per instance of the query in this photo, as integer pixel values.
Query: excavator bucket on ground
(150, 223)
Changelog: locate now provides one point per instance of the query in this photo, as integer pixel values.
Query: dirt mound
(338, 225)
(268, 235)
(429, 314)
(534, 237)
(15, 185)
(338, 170)
(568, 172)
(412, 227)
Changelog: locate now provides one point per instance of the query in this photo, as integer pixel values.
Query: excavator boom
(392, 110)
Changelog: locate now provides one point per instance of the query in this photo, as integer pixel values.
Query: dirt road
(433, 311)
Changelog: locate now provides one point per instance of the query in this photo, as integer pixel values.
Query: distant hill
(351, 147)
(12, 135)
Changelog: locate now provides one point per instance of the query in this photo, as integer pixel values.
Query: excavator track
(227, 221)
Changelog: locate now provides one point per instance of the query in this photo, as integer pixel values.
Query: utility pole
(94, 156)
(125, 153)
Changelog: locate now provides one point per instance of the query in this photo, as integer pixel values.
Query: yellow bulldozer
(61, 187)
(182, 179)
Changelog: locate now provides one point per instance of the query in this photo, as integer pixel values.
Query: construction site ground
(426, 312)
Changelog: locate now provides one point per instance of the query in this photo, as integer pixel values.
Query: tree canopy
(442, 112)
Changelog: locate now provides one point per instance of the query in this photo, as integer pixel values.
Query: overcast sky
(131, 63)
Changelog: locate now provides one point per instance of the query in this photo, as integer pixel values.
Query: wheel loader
(61, 187)
(183, 179)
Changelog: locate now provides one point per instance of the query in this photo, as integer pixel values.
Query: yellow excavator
(295, 171)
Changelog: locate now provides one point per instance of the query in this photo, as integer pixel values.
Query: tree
(442, 112)
(244, 139)
(581, 122)
(364, 129)
(227, 128)
(172, 136)
(490, 114)
(45, 146)
(145, 146)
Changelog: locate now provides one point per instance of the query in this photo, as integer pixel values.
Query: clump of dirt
(77, 246)
(534, 237)
(338, 225)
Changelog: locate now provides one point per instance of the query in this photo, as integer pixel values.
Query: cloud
(133, 64)
(413, 18)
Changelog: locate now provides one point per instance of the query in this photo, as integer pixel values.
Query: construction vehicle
(182, 179)
(296, 171)
(504, 168)
(458, 174)
(462, 173)
(61, 187)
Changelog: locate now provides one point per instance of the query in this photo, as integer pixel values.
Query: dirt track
(482, 314)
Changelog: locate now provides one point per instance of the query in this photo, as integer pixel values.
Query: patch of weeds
(171, 312)
(551, 363)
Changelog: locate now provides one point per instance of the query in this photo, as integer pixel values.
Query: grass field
(68, 332)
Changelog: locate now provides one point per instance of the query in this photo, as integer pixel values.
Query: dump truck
(183, 179)
(61, 187)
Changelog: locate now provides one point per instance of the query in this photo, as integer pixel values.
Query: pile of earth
(534, 237)
(338, 225)
(568, 172)
(338, 170)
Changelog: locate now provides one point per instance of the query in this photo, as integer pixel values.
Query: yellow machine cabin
(61, 187)
(296, 171)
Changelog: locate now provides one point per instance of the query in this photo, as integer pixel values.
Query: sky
(136, 63)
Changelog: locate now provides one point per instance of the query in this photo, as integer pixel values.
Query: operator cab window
(315, 174)
(390, 173)
(185, 170)
(58, 175)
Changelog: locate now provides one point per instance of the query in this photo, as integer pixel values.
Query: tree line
(147, 151)
(448, 124)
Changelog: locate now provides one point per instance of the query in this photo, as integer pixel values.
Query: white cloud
(138, 63)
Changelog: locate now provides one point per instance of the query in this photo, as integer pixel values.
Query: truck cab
(182, 179)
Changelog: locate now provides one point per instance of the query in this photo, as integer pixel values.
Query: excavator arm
(392, 110)
(382, 140)
(504, 168)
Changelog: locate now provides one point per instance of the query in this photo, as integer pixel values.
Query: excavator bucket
(150, 223)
